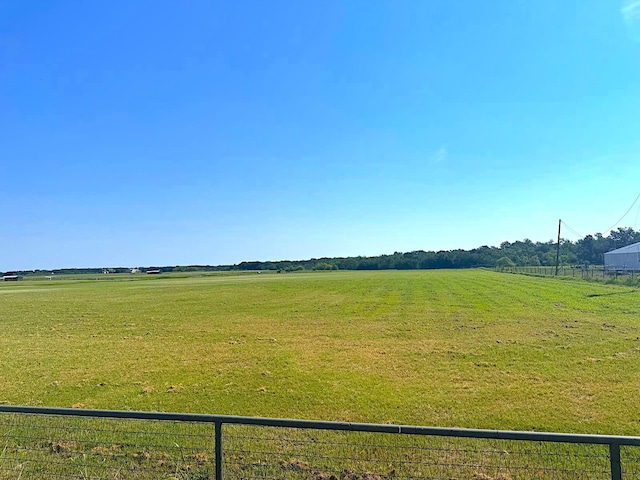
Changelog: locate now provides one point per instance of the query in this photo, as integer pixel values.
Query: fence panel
(93, 444)
(274, 453)
(52, 446)
(589, 272)
(630, 461)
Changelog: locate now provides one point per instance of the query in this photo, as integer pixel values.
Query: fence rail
(101, 444)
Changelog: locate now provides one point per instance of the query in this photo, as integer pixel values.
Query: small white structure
(623, 259)
(11, 278)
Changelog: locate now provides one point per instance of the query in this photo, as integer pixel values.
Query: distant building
(11, 278)
(135, 270)
(623, 259)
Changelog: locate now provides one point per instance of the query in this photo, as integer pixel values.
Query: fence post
(616, 467)
(218, 450)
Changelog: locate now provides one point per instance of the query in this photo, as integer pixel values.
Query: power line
(625, 214)
(571, 229)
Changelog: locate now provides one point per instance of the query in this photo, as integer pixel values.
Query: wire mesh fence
(599, 273)
(595, 272)
(630, 461)
(54, 446)
(93, 444)
(254, 452)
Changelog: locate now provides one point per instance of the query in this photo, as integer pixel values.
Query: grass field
(448, 348)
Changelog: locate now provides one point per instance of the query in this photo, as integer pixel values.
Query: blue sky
(212, 132)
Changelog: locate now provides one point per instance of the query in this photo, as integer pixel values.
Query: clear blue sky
(212, 132)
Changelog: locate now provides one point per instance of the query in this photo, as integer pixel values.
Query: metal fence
(38, 443)
(584, 272)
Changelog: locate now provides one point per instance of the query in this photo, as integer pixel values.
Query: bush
(325, 266)
(504, 262)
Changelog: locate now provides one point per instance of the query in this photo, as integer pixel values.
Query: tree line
(588, 250)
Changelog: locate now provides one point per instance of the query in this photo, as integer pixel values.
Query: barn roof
(633, 248)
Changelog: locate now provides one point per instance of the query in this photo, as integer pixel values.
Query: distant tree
(586, 250)
(534, 261)
(325, 266)
(549, 258)
(294, 268)
(367, 264)
(623, 237)
(504, 262)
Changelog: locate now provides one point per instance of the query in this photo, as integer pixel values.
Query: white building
(11, 278)
(625, 258)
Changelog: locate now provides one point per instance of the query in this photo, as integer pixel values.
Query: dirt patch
(363, 476)
(295, 464)
(62, 447)
(484, 476)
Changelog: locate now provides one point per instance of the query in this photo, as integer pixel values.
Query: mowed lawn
(448, 348)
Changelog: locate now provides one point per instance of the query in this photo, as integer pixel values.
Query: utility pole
(558, 248)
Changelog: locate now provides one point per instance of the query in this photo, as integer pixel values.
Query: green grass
(448, 348)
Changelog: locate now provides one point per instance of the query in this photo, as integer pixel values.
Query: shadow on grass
(592, 295)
